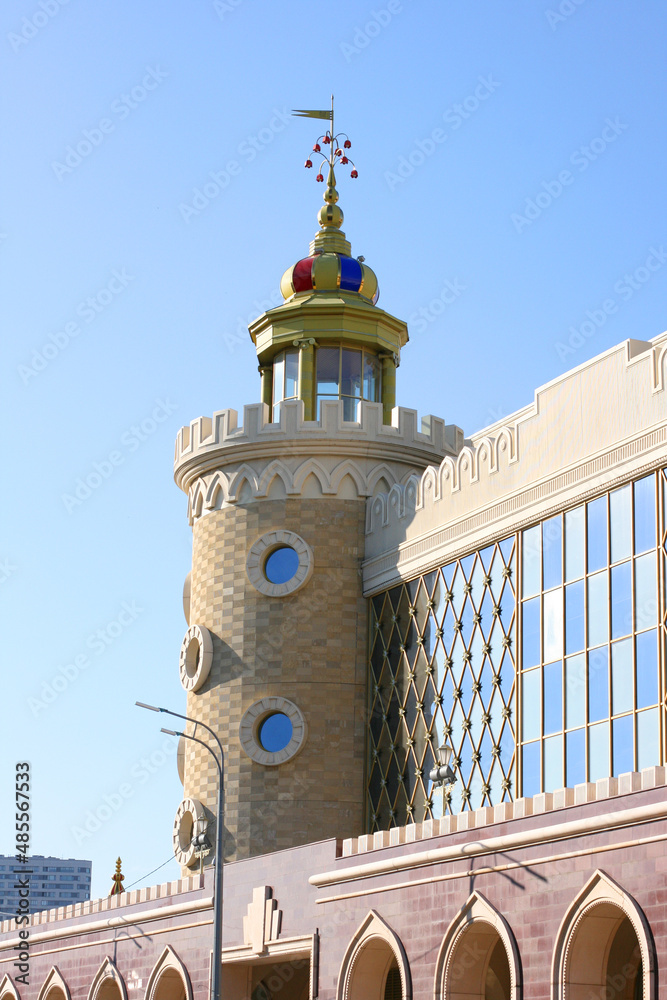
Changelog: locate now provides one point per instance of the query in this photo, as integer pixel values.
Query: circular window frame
(201, 635)
(253, 719)
(267, 544)
(194, 809)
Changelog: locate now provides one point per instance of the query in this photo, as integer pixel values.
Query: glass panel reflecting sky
(574, 617)
(622, 677)
(598, 751)
(575, 691)
(621, 600)
(623, 745)
(598, 684)
(647, 669)
(604, 696)
(552, 552)
(620, 518)
(553, 697)
(553, 763)
(532, 556)
(597, 534)
(575, 523)
(645, 514)
(598, 609)
(575, 757)
(553, 624)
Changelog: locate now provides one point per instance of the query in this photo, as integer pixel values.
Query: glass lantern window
(348, 374)
(285, 379)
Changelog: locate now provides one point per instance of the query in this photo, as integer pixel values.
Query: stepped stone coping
(108, 902)
(590, 791)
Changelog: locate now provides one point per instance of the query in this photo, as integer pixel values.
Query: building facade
(53, 882)
(365, 588)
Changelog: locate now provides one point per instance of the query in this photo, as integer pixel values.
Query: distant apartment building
(53, 882)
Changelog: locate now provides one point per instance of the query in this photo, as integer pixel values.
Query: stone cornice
(606, 470)
(587, 431)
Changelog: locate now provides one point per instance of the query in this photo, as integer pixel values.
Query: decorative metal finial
(117, 880)
(336, 150)
(330, 216)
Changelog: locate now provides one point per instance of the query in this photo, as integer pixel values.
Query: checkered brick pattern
(308, 647)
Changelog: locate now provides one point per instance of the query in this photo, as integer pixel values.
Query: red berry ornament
(319, 177)
(345, 160)
(308, 163)
(353, 173)
(347, 144)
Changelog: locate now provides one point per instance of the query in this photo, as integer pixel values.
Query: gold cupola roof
(330, 266)
(330, 296)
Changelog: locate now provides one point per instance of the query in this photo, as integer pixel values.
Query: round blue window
(275, 732)
(281, 565)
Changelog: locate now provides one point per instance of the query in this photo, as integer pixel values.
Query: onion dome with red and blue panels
(330, 272)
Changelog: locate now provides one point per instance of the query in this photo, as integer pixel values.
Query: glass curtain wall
(588, 634)
(590, 681)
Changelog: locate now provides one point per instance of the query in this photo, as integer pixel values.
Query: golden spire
(117, 880)
(330, 238)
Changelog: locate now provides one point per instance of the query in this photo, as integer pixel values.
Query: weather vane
(336, 152)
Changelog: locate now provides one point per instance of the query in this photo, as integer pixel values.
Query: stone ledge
(545, 802)
(87, 906)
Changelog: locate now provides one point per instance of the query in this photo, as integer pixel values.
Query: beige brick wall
(308, 647)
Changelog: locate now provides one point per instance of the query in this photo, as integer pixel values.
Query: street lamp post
(218, 876)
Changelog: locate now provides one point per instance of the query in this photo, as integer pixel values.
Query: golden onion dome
(330, 266)
(330, 272)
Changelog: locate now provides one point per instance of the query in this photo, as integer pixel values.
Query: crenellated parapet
(218, 462)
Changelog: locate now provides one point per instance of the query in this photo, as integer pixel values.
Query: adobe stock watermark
(222, 7)
(565, 9)
(140, 773)
(87, 310)
(364, 34)
(452, 289)
(625, 288)
(247, 151)
(97, 642)
(121, 108)
(240, 334)
(454, 117)
(580, 158)
(7, 570)
(32, 25)
(130, 441)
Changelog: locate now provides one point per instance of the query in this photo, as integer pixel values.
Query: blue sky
(511, 183)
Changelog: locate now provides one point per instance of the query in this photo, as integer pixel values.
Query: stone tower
(274, 658)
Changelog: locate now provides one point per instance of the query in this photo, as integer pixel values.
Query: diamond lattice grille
(442, 669)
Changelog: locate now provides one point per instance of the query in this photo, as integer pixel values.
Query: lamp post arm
(196, 722)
